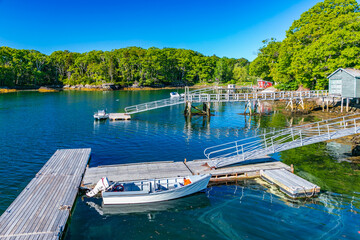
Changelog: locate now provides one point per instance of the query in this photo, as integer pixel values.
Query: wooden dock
(267, 168)
(43, 207)
(151, 170)
(292, 185)
(119, 116)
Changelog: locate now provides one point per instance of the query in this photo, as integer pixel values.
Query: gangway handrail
(163, 102)
(203, 95)
(260, 145)
(299, 127)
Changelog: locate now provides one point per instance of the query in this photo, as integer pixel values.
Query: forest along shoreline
(88, 87)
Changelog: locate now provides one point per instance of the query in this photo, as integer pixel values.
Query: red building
(264, 84)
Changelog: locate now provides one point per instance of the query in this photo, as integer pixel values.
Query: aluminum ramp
(269, 143)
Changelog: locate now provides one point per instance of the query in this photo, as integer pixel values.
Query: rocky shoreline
(86, 87)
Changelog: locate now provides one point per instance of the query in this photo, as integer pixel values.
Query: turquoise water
(33, 125)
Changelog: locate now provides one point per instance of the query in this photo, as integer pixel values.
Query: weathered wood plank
(36, 213)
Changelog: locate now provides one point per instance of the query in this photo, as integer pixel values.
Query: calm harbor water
(33, 125)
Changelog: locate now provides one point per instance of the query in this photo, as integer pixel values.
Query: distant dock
(119, 116)
(43, 207)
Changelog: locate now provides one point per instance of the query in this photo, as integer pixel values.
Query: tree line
(126, 66)
(325, 38)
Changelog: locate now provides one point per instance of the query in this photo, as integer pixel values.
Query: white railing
(238, 97)
(268, 143)
(163, 102)
(203, 95)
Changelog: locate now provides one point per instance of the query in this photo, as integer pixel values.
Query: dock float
(289, 183)
(119, 116)
(168, 169)
(43, 207)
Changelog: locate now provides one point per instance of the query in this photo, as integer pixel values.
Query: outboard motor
(102, 185)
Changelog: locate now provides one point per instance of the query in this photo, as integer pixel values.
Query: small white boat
(101, 115)
(174, 95)
(149, 191)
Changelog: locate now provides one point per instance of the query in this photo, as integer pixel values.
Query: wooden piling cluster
(43, 207)
(205, 111)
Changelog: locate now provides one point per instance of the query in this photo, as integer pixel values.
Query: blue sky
(231, 28)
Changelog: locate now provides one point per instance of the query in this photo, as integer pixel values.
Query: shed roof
(352, 71)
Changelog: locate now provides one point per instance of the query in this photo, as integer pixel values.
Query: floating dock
(267, 168)
(119, 116)
(152, 170)
(43, 207)
(289, 183)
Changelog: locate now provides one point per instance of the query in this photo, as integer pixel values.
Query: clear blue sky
(231, 28)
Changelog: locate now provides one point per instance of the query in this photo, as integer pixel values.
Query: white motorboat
(155, 190)
(174, 95)
(101, 115)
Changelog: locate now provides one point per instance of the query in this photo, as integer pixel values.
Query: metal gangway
(167, 102)
(277, 141)
(223, 95)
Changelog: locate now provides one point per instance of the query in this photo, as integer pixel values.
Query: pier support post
(206, 108)
(187, 111)
(327, 105)
(342, 104)
(323, 104)
(347, 104)
(248, 106)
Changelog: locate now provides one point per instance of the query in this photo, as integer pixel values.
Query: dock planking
(41, 210)
(153, 170)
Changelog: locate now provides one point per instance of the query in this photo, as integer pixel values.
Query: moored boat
(101, 115)
(155, 190)
(174, 95)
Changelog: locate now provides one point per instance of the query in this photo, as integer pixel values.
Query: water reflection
(196, 201)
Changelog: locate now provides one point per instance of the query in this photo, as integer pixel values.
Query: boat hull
(111, 198)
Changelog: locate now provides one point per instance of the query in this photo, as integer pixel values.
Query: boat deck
(43, 207)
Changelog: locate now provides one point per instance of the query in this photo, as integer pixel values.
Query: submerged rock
(355, 151)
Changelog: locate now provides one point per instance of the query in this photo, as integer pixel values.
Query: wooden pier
(43, 207)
